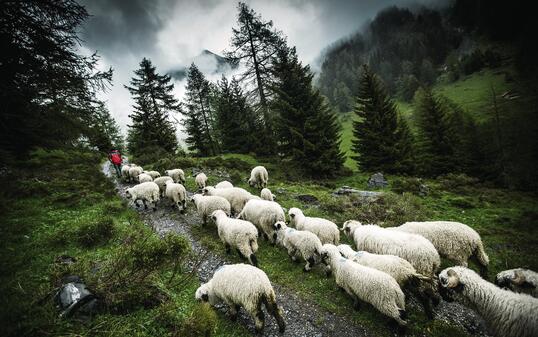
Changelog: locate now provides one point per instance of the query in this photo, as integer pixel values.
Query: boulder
(377, 180)
(364, 195)
(73, 296)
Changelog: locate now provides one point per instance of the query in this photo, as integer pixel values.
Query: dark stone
(65, 259)
(307, 199)
(377, 180)
(73, 296)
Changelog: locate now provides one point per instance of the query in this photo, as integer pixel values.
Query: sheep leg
(234, 311)
(228, 248)
(145, 204)
(204, 220)
(309, 263)
(259, 317)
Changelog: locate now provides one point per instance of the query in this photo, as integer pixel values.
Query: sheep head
(450, 284)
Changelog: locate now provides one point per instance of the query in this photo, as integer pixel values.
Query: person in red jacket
(115, 158)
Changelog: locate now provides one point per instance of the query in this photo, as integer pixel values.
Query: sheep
(258, 177)
(412, 247)
(519, 280)
(147, 192)
(326, 230)
(153, 174)
(264, 214)
(161, 182)
(242, 285)
(453, 240)
(267, 195)
(298, 243)
(366, 284)
(125, 171)
(401, 270)
(176, 174)
(237, 196)
(224, 184)
(240, 234)
(134, 172)
(207, 204)
(177, 193)
(201, 180)
(506, 313)
(144, 177)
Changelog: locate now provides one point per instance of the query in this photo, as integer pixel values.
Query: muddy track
(303, 317)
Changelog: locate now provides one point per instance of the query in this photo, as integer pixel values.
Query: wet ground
(303, 317)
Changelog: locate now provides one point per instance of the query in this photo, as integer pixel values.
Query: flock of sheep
(387, 260)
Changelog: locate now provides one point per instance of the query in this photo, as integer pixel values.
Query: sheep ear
(518, 278)
(205, 297)
(278, 225)
(453, 279)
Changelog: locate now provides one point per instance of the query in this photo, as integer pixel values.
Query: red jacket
(115, 158)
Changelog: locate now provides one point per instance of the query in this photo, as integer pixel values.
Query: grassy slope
(38, 226)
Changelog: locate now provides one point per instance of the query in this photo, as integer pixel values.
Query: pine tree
(154, 102)
(254, 43)
(435, 141)
(307, 130)
(198, 112)
(235, 120)
(383, 141)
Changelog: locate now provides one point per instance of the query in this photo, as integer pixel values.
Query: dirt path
(303, 317)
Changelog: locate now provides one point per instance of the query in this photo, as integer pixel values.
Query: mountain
(208, 62)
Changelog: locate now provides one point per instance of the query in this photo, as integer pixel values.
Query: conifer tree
(307, 130)
(154, 102)
(435, 143)
(382, 141)
(199, 118)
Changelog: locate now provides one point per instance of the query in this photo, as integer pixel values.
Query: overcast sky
(173, 32)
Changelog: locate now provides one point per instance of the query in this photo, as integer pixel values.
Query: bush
(95, 232)
(457, 182)
(200, 323)
(410, 185)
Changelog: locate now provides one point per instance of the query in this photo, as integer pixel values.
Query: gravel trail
(304, 318)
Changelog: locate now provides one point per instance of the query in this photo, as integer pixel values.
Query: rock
(307, 199)
(281, 190)
(65, 259)
(365, 196)
(423, 190)
(377, 180)
(73, 296)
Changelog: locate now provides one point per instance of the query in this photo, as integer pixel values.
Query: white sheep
(224, 184)
(519, 280)
(236, 196)
(239, 234)
(207, 204)
(267, 195)
(242, 285)
(412, 247)
(176, 174)
(161, 182)
(453, 240)
(264, 214)
(134, 172)
(125, 171)
(298, 243)
(200, 180)
(144, 178)
(153, 174)
(366, 284)
(401, 270)
(326, 230)
(147, 192)
(506, 313)
(258, 177)
(177, 193)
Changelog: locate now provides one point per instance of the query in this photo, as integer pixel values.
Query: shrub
(411, 185)
(200, 323)
(95, 232)
(457, 182)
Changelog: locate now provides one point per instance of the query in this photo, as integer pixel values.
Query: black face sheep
(144, 178)
(161, 182)
(176, 174)
(258, 177)
(207, 204)
(153, 174)
(366, 284)
(236, 196)
(134, 172)
(177, 193)
(242, 285)
(147, 192)
(224, 184)
(453, 240)
(326, 230)
(264, 214)
(519, 280)
(266, 194)
(401, 270)
(302, 244)
(239, 234)
(125, 171)
(200, 180)
(412, 247)
(506, 313)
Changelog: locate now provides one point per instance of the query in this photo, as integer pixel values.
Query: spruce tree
(154, 101)
(382, 141)
(199, 123)
(435, 140)
(307, 130)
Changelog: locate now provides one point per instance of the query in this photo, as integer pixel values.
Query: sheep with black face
(519, 280)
